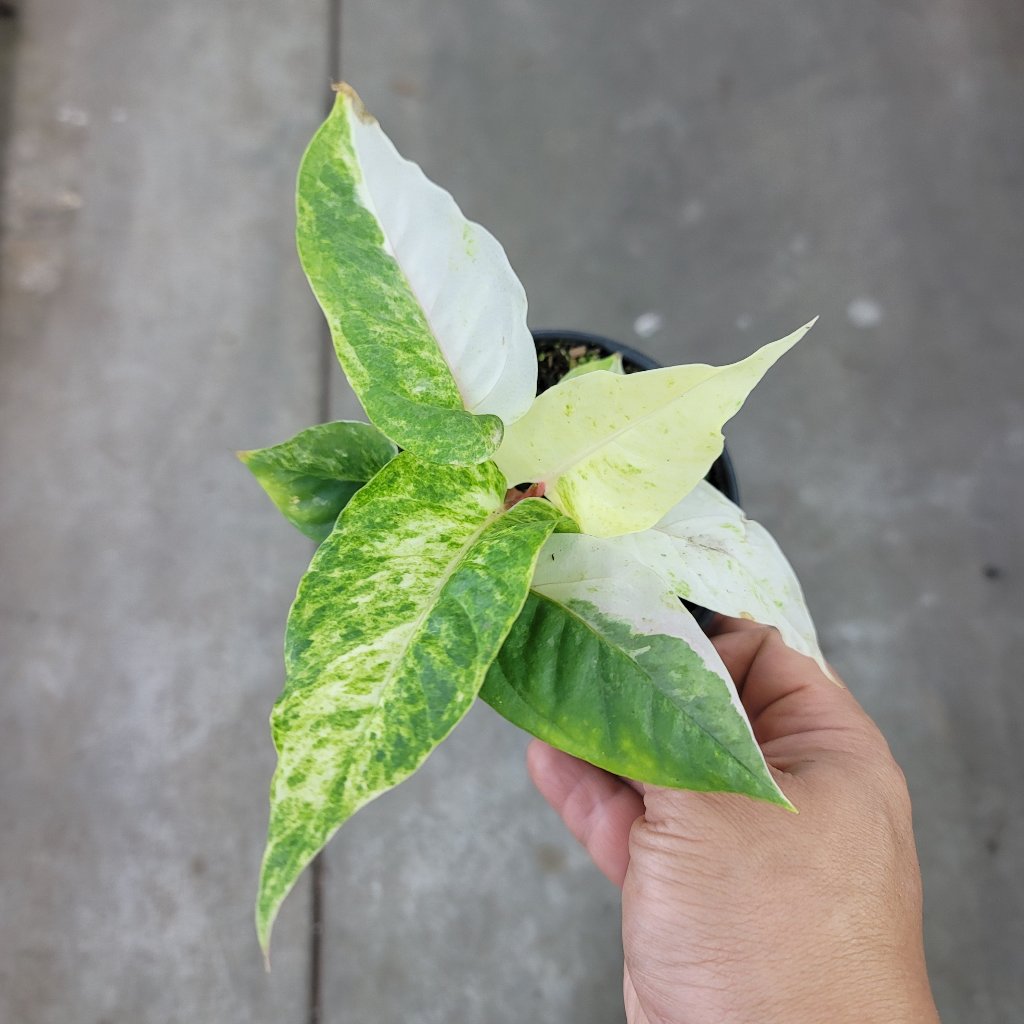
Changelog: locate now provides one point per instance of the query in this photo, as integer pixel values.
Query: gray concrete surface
(693, 178)
(8, 36)
(153, 320)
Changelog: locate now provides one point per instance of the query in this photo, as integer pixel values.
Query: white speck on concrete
(636, 247)
(118, 115)
(966, 87)
(656, 114)
(954, 492)
(647, 324)
(692, 213)
(40, 277)
(799, 245)
(68, 200)
(864, 313)
(860, 634)
(744, 322)
(74, 116)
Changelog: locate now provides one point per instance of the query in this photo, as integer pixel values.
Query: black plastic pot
(721, 475)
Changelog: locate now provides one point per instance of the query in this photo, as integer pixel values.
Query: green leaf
(402, 610)
(312, 476)
(612, 363)
(427, 316)
(605, 663)
(711, 554)
(616, 453)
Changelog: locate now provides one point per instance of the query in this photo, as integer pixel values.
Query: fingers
(597, 808)
(725, 624)
(786, 694)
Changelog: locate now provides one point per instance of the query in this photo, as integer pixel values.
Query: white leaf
(712, 555)
(457, 270)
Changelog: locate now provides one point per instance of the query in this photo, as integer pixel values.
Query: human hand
(736, 911)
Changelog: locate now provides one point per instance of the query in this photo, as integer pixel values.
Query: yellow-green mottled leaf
(606, 664)
(612, 363)
(312, 476)
(427, 316)
(711, 554)
(617, 452)
(401, 612)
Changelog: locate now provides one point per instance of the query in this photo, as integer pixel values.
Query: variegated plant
(437, 580)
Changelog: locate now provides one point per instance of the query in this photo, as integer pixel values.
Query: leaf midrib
(607, 643)
(454, 565)
(391, 251)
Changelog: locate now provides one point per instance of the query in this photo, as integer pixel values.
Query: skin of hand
(736, 911)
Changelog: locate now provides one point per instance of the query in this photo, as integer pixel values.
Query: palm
(634, 1011)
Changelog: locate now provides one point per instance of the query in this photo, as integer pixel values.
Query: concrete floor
(692, 178)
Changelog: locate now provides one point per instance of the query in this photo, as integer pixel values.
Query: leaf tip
(775, 796)
(244, 456)
(830, 674)
(786, 804)
(347, 96)
(264, 925)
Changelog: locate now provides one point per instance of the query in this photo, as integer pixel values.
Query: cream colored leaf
(612, 363)
(617, 452)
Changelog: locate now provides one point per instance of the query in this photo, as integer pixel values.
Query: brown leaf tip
(345, 90)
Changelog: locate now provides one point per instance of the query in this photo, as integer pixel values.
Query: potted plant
(478, 539)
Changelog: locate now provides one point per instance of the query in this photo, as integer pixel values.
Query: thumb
(795, 710)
